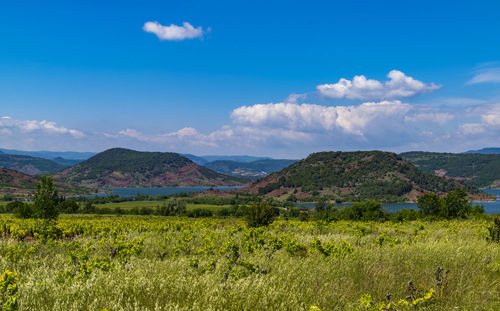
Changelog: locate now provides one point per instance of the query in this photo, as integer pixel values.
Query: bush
(199, 212)
(24, 210)
(495, 230)
(68, 207)
(406, 215)
(259, 214)
(12, 206)
(368, 210)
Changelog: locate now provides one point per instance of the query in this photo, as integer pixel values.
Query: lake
(132, 192)
(489, 207)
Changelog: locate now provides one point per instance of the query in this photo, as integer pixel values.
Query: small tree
(457, 203)
(430, 204)
(259, 214)
(46, 199)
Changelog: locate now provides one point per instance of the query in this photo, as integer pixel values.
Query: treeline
(430, 206)
(175, 207)
(185, 196)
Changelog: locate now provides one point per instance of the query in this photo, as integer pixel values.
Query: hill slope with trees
(478, 170)
(354, 176)
(252, 170)
(29, 165)
(120, 167)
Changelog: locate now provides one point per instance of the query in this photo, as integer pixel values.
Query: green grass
(169, 263)
(154, 204)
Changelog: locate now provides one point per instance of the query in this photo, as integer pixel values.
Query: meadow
(171, 263)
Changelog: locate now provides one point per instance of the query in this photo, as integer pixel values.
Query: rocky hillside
(354, 176)
(478, 170)
(18, 184)
(120, 167)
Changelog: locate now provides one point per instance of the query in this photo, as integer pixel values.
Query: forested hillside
(478, 170)
(253, 170)
(128, 168)
(29, 165)
(354, 176)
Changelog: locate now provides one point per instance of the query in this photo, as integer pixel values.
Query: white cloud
(295, 98)
(398, 86)
(310, 118)
(491, 116)
(440, 118)
(9, 125)
(472, 129)
(486, 75)
(173, 32)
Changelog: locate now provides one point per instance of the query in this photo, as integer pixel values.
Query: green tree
(259, 214)
(457, 204)
(46, 199)
(430, 204)
(367, 210)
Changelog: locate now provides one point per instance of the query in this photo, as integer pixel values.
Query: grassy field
(153, 204)
(166, 263)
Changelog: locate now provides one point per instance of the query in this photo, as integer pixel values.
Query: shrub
(368, 210)
(24, 210)
(259, 214)
(495, 230)
(68, 207)
(8, 291)
(199, 212)
(406, 215)
(12, 206)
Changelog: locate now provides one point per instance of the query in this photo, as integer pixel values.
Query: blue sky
(89, 75)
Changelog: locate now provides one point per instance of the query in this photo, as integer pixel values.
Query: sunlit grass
(170, 263)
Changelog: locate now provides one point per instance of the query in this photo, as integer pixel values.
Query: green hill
(479, 170)
(29, 165)
(128, 168)
(17, 184)
(252, 170)
(354, 176)
(491, 150)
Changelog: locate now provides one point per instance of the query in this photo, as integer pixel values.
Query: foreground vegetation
(166, 263)
(274, 259)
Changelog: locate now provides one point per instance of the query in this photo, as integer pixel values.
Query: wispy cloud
(399, 85)
(9, 125)
(174, 32)
(487, 73)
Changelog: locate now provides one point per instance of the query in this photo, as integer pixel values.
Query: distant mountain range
(202, 160)
(29, 165)
(476, 169)
(120, 167)
(252, 170)
(354, 176)
(51, 154)
(490, 150)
